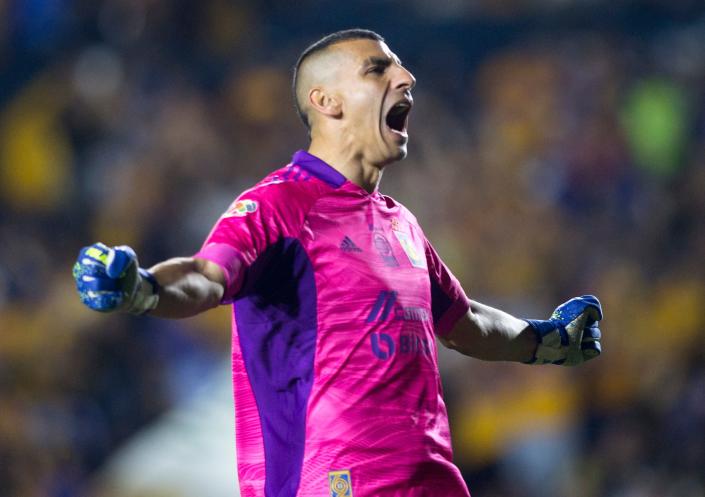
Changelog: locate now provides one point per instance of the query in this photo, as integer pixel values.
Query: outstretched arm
(110, 279)
(492, 335)
(569, 337)
(187, 286)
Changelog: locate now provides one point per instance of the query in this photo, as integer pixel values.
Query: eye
(378, 69)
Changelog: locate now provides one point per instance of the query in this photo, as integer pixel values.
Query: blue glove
(110, 279)
(570, 336)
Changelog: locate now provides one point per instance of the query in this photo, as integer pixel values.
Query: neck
(348, 162)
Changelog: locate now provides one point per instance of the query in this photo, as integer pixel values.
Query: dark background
(557, 148)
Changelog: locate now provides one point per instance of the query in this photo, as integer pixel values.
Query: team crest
(242, 208)
(385, 250)
(340, 483)
(415, 258)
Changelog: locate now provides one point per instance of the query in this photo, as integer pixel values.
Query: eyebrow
(379, 61)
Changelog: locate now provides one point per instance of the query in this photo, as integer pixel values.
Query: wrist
(528, 340)
(534, 325)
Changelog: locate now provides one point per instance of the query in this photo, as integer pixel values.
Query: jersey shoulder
(283, 197)
(404, 212)
(287, 182)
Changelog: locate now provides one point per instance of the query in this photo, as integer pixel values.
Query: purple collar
(318, 168)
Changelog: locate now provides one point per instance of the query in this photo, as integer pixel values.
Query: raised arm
(110, 279)
(569, 337)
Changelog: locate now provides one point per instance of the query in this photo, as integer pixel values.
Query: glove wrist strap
(540, 327)
(543, 354)
(147, 295)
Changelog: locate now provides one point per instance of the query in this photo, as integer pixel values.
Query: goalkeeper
(337, 299)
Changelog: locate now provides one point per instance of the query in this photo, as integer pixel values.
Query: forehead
(362, 50)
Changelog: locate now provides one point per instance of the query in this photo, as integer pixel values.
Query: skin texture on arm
(189, 286)
(492, 335)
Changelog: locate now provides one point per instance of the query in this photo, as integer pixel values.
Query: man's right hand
(570, 336)
(110, 279)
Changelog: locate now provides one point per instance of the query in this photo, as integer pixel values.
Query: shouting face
(363, 93)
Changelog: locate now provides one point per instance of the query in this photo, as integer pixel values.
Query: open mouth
(398, 116)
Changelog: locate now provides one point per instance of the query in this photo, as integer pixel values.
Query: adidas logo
(347, 245)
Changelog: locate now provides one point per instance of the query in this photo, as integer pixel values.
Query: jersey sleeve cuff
(230, 261)
(448, 320)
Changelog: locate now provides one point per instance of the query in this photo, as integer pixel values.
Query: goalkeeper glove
(570, 336)
(110, 279)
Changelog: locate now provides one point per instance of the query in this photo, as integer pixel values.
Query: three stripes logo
(347, 245)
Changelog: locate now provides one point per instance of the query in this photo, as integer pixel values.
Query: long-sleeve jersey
(337, 298)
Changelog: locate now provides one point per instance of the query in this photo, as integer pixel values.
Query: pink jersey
(337, 296)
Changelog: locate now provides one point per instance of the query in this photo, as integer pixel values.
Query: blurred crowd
(566, 157)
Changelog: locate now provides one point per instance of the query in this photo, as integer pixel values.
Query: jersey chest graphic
(362, 239)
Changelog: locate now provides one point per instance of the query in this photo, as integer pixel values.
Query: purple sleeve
(448, 300)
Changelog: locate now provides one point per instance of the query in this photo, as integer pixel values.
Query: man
(337, 297)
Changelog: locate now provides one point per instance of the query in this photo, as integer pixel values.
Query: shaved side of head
(318, 70)
(316, 66)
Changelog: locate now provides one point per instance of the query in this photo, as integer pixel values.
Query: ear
(325, 103)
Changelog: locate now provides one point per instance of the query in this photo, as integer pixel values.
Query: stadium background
(557, 147)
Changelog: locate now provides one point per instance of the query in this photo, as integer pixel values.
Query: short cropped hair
(319, 46)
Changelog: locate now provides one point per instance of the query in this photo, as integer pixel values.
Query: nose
(404, 79)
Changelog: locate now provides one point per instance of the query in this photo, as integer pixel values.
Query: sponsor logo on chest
(383, 345)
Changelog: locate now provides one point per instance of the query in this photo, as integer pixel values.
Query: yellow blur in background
(566, 157)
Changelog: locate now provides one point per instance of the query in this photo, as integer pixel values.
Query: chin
(400, 154)
(393, 157)
(397, 150)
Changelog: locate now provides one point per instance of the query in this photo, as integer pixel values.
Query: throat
(366, 176)
(369, 179)
(355, 169)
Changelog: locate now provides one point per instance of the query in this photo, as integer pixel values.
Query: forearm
(188, 287)
(492, 335)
